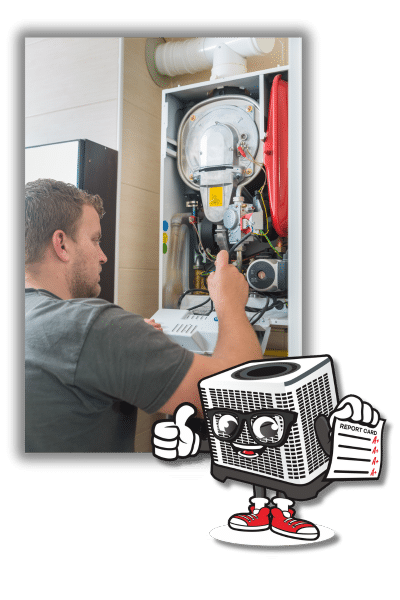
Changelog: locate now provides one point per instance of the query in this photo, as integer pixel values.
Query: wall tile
(145, 421)
(139, 229)
(33, 40)
(95, 122)
(141, 140)
(143, 441)
(138, 291)
(62, 73)
(139, 89)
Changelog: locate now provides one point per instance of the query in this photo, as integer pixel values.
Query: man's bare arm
(237, 341)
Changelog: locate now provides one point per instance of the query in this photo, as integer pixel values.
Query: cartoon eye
(266, 428)
(225, 424)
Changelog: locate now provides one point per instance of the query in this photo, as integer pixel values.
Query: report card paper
(356, 451)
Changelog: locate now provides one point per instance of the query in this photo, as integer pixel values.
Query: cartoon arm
(173, 438)
(349, 408)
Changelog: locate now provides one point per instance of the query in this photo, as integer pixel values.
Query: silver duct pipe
(173, 287)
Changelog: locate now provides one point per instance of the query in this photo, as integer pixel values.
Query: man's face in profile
(88, 257)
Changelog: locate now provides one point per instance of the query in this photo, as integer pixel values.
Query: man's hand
(228, 288)
(153, 323)
(173, 439)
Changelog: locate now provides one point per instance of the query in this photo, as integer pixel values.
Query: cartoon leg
(257, 519)
(282, 521)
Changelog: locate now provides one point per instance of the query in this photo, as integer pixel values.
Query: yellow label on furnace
(216, 196)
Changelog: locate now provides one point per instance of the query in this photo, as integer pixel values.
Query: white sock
(259, 503)
(283, 504)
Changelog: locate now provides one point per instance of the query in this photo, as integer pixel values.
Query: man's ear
(60, 244)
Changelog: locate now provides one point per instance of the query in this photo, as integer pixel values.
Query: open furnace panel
(230, 179)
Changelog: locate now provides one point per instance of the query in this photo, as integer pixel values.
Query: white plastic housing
(172, 200)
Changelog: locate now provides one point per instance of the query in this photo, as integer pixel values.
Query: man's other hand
(153, 323)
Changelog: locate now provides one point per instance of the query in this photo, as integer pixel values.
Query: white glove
(173, 439)
(355, 409)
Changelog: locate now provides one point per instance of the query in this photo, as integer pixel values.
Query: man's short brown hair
(52, 205)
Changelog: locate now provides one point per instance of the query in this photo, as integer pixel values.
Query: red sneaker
(284, 524)
(256, 520)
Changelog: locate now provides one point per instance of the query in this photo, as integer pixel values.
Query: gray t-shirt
(89, 365)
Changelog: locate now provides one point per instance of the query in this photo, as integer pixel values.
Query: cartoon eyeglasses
(267, 427)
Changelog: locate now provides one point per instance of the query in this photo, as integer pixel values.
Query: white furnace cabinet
(215, 193)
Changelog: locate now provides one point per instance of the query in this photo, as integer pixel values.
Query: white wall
(71, 90)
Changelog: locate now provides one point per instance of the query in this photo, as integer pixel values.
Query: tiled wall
(140, 184)
(140, 199)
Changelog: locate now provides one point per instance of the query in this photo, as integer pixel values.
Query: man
(89, 364)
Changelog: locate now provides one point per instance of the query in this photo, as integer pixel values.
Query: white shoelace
(291, 521)
(250, 517)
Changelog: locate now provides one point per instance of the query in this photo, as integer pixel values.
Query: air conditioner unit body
(304, 386)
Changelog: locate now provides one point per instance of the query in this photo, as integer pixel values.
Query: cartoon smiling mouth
(248, 451)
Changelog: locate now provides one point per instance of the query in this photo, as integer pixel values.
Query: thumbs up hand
(172, 439)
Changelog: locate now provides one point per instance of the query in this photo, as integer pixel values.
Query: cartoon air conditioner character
(269, 424)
